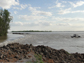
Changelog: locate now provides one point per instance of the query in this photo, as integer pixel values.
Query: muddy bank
(16, 52)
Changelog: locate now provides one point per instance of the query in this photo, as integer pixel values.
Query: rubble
(16, 52)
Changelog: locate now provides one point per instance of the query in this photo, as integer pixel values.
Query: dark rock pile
(59, 56)
(15, 51)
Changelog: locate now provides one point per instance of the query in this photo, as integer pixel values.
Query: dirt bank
(16, 52)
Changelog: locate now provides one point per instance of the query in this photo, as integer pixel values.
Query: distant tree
(5, 19)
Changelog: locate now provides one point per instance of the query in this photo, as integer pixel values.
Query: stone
(15, 51)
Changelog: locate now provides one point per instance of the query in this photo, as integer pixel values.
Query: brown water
(10, 37)
(56, 40)
(3, 38)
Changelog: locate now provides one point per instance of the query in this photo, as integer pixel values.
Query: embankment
(16, 52)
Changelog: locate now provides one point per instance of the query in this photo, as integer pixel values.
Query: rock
(15, 51)
(1, 56)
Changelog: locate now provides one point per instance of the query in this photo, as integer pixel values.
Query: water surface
(57, 40)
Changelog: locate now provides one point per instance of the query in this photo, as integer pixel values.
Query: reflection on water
(3, 38)
(10, 38)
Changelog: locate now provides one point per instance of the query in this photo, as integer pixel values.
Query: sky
(54, 15)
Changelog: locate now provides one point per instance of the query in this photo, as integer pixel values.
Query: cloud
(59, 5)
(16, 23)
(36, 23)
(81, 11)
(64, 1)
(25, 23)
(45, 23)
(51, 7)
(39, 24)
(42, 13)
(6, 4)
(56, 21)
(22, 6)
(79, 3)
(37, 12)
(63, 24)
(66, 11)
(26, 17)
(68, 19)
(34, 8)
(15, 12)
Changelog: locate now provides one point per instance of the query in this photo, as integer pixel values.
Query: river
(57, 40)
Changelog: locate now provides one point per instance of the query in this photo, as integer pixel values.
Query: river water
(57, 40)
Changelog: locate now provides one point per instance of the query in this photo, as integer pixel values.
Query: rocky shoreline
(16, 52)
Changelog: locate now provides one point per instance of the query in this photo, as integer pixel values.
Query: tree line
(5, 19)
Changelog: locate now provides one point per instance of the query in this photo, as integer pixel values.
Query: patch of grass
(68, 53)
(39, 58)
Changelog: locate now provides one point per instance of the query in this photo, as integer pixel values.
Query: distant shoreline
(45, 31)
(32, 31)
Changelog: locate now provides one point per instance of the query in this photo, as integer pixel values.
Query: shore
(16, 52)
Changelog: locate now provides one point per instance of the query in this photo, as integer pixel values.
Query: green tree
(5, 19)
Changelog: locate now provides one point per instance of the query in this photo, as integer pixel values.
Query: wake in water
(10, 38)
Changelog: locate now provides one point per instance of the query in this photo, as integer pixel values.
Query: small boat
(75, 36)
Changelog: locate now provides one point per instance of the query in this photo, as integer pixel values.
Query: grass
(38, 59)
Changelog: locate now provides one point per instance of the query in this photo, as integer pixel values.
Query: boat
(75, 36)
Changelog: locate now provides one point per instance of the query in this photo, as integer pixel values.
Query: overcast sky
(56, 15)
